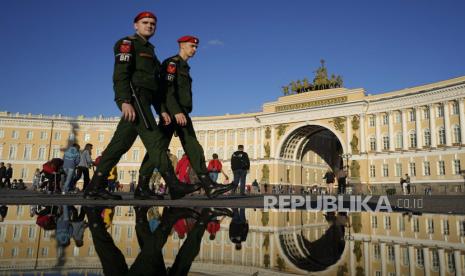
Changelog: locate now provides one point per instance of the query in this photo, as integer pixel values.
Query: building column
(348, 134)
(255, 142)
(432, 126)
(447, 126)
(458, 262)
(366, 256)
(426, 257)
(397, 258)
(262, 142)
(418, 127)
(352, 257)
(225, 145)
(405, 138)
(362, 134)
(235, 131)
(246, 143)
(391, 132)
(273, 142)
(462, 121)
(216, 141)
(383, 258)
(442, 262)
(378, 133)
(411, 260)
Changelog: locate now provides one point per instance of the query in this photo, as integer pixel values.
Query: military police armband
(124, 52)
(170, 71)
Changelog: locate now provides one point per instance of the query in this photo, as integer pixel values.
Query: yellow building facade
(418, 131)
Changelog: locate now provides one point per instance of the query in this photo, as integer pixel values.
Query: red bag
(46, 221)
(52, 166)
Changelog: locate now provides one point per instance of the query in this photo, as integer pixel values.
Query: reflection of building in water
(296, 242)
(419, 131)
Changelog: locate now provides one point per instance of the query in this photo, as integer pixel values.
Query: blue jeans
(69, 178)
(214, 176)
(239, 178)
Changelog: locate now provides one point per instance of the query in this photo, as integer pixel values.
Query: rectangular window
(372, 143)
(441, 167)
(385, 170)
(130, 233)
(374, 222)
(24, 173)
(120, 175)
(412, 115)
(401, 224)
(435, 259)
(15, 134)
(371, 121)
(14, 252)
(405, 256)
(57, 136)
(430, 226)
(450, 262)
(387, 222)
(55, 152)
(412, 169)
(386, 142)
(398, 169)
(76, 251)
(86, 137)
(43, 135)
(426, 113)
(71, 137)
(457, 168)
(445, 227)
(44, 251)
(427, 138)
(41, 154)
(372, 171)
(462, 228)
(2, 134)
(385, 119)
(420, 258)
(91, 251)
(29, 252)
(16, 232)
(455, 108)
(12, 152)
(426, 168)
(29, 135)
(27, 152)
(101, 137)
(32, 232)
(377, 251)
(416, 224)
(399, 141)
(440, 111)
(391, 253)
(135, 155)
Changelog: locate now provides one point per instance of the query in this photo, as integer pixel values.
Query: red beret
(188, 38)
(144, 14)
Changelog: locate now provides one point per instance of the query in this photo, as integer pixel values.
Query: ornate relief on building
(265, 174)
(267, 133)
(281, 129)
(354, 144)
(338, 123)
(355, 123)
(267, 150)
(354, 169)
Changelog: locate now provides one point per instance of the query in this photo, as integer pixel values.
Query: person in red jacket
(182, 169)
(215, 167)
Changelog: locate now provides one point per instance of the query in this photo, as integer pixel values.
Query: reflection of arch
(320, 139)
(317, 255)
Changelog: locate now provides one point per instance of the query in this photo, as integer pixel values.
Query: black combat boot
(143, 191)
(213, 189)
(178, 190)
(96, 189)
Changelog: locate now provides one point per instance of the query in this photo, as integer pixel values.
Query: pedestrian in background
(71, 160)
(240, 164)
(215, 167)
(85, 163)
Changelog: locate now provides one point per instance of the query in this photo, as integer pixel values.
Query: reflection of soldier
(239, 228)
(150, 260)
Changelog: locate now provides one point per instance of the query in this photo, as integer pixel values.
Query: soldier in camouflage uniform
(177, 87)
(137, 69)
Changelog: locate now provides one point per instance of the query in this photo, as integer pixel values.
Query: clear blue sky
(57, 55)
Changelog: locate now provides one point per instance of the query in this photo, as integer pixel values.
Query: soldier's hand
(166, 118)
(128, 111)
(180, 119)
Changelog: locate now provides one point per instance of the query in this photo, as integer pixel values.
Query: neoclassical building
(417, 131)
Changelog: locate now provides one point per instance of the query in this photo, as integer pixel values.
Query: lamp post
(346, 156)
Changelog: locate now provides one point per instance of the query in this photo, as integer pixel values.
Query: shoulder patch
(171, 68)
(125, 46)
(132, 37)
